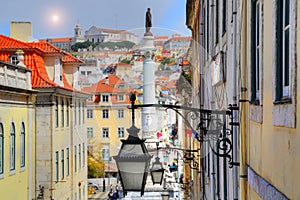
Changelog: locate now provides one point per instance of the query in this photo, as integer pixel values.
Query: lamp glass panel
(132, 174)
(131, 149)
(157, 176)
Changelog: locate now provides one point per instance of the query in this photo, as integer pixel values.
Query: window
(89, 113)
(217, 21)
(121, 98)
(90, 132)
(120, 113)
(79, 156)
(62, 164)
(105, 153)
(67, 113)
(12, 147)
(224, 16)
(79, 113)
(56, 166)
(90, 98)
(14, 59)
(105, 98)
(121, 86)
(56, 113)
(121, 132)
(75, 113)
(83, 154)
(62, 113)
(105, 132)
(75, 158)
(105, 114)
(83, 113)
(1, 148)
(255, 50)
(22, 146)
(68, 161)
(283, 71)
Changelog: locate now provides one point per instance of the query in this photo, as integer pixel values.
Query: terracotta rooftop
(184, 62)
(65, 39)
(121, 64)
(33, 59)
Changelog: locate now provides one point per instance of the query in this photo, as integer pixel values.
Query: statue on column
(148, 24)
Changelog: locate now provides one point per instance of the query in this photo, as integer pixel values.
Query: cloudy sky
(57, 18)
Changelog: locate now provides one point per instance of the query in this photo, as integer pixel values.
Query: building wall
(21, 31)
(17, 106)
(52, 139)
(274, 141)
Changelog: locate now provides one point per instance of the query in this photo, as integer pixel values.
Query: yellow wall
(273, 151)
(21, 31)
(20, 177)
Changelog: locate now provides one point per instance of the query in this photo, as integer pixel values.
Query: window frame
(88, 129)
(256, 52)
(22, 145)
(105, 114)
(121, 98)
(68, 161)
(283, 92)
(121, 114)
(57, 166)
(56, 114)
(62, 164)
(105, 132)
(121, 132)
(12, 151)
(105, 98)
(68, 114)
(90, 113)
(1, 148)
(62, 110)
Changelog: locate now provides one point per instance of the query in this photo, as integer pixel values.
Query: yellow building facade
(265, 43)
(108, 117)
(17, 133)
(273, 131)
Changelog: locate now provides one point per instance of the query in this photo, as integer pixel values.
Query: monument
(149, 118)
(148, 23)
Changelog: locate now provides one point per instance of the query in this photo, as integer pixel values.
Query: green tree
(96, 165)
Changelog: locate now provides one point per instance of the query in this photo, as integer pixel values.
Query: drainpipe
(234, 98)
(243, 132)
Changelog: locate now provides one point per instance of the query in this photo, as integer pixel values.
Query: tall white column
(149, 118)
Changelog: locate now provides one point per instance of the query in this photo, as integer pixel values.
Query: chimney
(21, 31)
(106, 81)
(20, 57)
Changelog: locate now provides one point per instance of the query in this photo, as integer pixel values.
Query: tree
(96, 165)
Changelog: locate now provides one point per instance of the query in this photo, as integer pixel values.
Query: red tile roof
(121, 64)
(184, 62)
(33, 59)
(65, 39)
(68, 58)
(101, 86)
(46, 47)
(161, 37)
(12, 44)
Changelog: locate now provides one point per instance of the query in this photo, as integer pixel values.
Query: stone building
(247, 56)
(17, 131)
(60, 144)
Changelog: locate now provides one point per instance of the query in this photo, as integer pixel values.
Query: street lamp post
(133, 158)
(157, 170)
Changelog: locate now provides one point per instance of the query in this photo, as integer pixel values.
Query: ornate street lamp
(133, 158)
(165, 194)
(157, 171)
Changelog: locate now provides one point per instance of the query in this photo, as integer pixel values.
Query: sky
(57, 18)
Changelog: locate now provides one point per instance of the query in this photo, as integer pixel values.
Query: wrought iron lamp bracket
(212, 126)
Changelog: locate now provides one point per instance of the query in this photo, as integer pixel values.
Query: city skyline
(58, 19)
